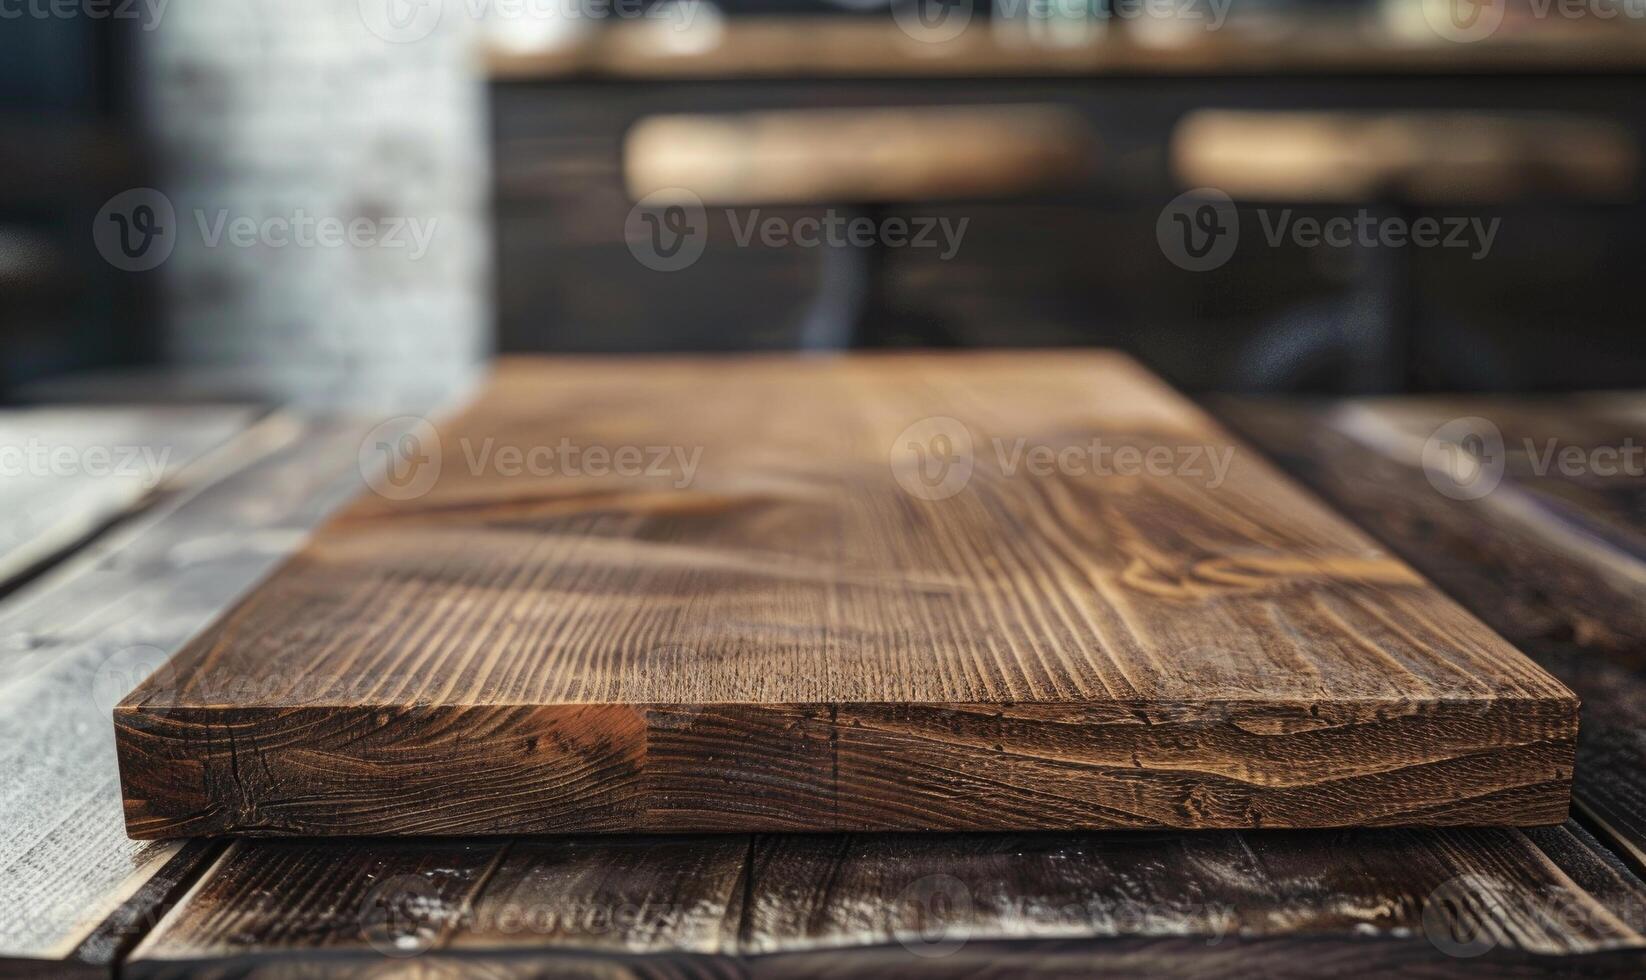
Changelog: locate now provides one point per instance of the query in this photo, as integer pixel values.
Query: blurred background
(342, 199)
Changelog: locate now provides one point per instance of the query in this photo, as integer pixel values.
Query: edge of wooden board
(340, 770)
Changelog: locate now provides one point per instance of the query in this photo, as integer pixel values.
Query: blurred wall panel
(326, 164)
(61, 155)
(1550, 304)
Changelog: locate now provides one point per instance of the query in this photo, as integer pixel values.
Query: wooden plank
(74, 890)
(302, 908)
(934, 895)
(1553, 560)
(327, 899)
(1302, 958)
(624, 895)
(65, 473)
(896, 905)
(799, 628)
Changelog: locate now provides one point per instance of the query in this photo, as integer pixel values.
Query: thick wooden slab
(911, 592)
(1552, 555)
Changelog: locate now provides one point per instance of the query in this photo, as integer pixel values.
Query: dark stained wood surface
(888, 905)
(625, 895)
(74, 890)
(936, 892)
(805, 630)
(1552, 560)
(1539, 902)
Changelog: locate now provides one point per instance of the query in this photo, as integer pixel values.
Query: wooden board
(1554, 562)
(790, 624)
(75, 892)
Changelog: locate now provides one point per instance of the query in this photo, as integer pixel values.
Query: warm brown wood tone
(1555, 561)
(798, 638)
(1425, 157)
(827, 156)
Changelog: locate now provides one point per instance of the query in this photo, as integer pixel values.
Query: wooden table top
(77, 897)
(963, 591)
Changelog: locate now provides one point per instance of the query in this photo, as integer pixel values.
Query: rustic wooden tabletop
(1551, 558)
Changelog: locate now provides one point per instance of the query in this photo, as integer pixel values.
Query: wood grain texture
(936, 894)
(896, 905)
(364, 907)
(74, 890)
(805, 630)
(1555, 561)
(69, 472)
(677, 894)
